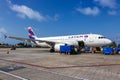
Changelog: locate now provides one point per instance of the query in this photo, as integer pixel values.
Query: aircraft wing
(39, 40)
(29, 40)
(19, 38)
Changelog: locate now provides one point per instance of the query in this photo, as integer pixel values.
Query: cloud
(24, 11)
(56, 17)
(2, 31)
(107, 3)
(112, 12)
(53, 18)
(111, 5)
(89, 11)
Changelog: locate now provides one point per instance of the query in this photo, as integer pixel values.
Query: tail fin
(32, 35)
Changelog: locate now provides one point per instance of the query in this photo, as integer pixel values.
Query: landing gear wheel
(118, 52)
(52, 50)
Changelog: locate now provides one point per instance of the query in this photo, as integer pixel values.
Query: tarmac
(40, 64)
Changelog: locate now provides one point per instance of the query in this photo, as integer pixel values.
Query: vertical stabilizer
(32, 35)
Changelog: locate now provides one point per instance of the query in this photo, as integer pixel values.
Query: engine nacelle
(74, 43)
(57, 47)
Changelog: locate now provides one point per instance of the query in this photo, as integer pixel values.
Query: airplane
(89, 40)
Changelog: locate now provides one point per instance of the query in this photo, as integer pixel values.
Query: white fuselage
(90, 40)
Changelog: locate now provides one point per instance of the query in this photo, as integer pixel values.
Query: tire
(52, 50)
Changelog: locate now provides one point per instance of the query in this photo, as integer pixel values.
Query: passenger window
(101, 37)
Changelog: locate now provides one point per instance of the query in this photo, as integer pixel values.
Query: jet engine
(57, 47)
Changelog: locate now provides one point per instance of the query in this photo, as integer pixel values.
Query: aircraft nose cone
(108, 41)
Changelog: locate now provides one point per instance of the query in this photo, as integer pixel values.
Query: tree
(113, 44)
(118, 45)
(20, 44)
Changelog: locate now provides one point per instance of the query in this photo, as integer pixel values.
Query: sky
(59, 17)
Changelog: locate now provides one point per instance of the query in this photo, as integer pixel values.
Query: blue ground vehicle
(108, 51)
(68, 49)
(117, 50)
(87, 49)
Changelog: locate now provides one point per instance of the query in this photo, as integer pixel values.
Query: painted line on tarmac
(44, 67)
(25, 63)
(94, 65)
(21, 78)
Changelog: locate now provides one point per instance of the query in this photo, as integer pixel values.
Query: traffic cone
(58, 52)
(8, 51)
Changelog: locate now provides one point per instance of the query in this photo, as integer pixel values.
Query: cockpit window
(101, 37)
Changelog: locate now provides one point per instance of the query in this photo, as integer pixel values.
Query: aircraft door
(81, 44)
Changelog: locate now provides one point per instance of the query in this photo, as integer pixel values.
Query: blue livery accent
(31, 32)
(32, 38)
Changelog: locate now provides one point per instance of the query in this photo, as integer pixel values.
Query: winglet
(5, 36)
